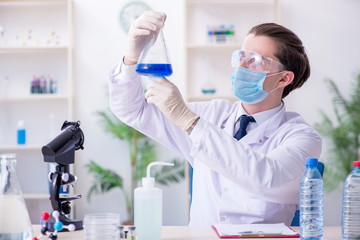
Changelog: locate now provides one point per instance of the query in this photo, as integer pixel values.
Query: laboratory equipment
(101, 226)
(61, 150)
(131, 234)
(2, 36)
(351, 205)
(122, 233)
(21, 132)
(148, 207)
(14, 217)
(311, 202)
(154, 59)
(208, 87)
(4, 86)
(57, 226)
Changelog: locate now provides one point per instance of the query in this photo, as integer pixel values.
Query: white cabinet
(35, 39)
(208, 63)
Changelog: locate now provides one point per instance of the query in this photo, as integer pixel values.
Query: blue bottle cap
(311, 162)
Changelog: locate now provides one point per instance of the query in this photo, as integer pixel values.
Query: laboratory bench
(191, 233)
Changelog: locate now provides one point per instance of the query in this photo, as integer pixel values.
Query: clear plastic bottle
(14, 218)
(311, 202)
(148, 207)
(351, 205)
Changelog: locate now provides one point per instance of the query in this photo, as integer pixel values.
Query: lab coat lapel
(229, 124)
(262, 132)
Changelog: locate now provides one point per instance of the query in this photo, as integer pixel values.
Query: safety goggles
(254, 61)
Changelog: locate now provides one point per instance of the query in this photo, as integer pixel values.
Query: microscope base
(66, 222)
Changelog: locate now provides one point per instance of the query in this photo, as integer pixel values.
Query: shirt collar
(261, 117)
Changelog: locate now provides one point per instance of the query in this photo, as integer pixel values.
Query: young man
(237, 177)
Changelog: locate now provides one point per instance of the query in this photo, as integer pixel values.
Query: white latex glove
(140, 32)
(167, 97)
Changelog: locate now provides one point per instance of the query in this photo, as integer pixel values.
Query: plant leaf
(342, 133)
(170, 174)
(104, 179)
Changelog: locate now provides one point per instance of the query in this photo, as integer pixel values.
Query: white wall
(328, 28)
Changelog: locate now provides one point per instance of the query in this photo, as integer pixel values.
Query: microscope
(61, 151)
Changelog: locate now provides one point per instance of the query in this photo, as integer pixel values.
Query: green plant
(142, 152)
(343, 134)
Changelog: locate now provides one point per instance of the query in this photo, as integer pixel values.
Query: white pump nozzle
(149, 181)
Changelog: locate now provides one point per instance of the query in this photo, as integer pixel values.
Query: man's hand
(141, 31)
(167, 97)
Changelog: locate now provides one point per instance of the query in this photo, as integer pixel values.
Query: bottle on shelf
(351, 204)
(231, 34)
(148, 207)
(15, 221)
(221, 34)
(3, 41)
(211, 38)
(311, 202)
(21, 132)
(4, 86)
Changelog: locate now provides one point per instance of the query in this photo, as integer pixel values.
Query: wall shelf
(15, 147)
(228, 1)
(36, 196)
(34, 98)
(210, 97)
(214, 46)
(38, 41)
(12, 49)
(30, 2)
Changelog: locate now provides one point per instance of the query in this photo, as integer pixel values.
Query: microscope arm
(54, 191)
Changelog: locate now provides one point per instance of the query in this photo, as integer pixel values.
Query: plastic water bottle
(148, 207)
(311, 202)
(351, 205)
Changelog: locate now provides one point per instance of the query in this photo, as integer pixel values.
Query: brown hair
(290, 52)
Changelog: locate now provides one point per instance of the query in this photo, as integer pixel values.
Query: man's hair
(290, 52)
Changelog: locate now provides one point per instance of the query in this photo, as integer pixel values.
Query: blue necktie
(244, 121)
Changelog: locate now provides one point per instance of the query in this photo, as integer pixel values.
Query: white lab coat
(254, 180)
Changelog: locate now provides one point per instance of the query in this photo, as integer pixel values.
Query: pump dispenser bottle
(148, 207)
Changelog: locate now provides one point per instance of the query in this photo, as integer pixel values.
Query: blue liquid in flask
(154, 69)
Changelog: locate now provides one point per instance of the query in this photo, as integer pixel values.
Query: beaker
(101, 226)
(154, 59)
(208, 87)
(14, 217)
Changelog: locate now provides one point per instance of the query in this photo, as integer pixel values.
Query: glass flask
(154, 59)
(14, 218)
(208, 87)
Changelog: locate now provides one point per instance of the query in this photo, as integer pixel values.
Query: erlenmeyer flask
(14, 217)
(154, 59)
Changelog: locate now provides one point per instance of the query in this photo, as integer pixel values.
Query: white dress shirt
(254, 180)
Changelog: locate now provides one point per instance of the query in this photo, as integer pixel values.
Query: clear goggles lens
(254, 61)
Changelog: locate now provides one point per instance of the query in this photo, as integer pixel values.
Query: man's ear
(287, 79)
